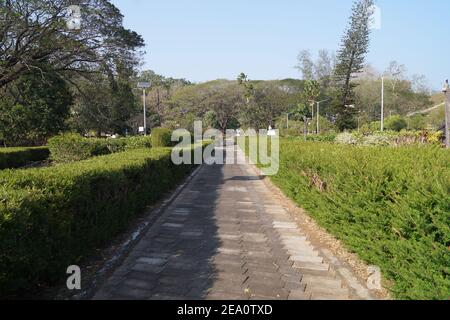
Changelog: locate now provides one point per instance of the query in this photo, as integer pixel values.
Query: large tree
(33, 32)
(268, 101)
(107, 104)
(351, 61)
(34, 108)
(305, 65)
(223, 98)
(159, 95)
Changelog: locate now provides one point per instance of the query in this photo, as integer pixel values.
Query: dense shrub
(73, 147)
(390, 206)
(390, 138)
(161, 137)
(18, 157)
(137, 142)
(51, 218)
(396, 123)
(346, 138)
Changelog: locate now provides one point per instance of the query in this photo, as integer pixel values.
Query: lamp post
(382, 104)
(446, 91)
(318, 114)
(287, 120)
(382, 98)
(144, 86)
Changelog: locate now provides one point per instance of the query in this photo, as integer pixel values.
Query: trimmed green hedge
(11, 158)
(389, 205)
(51, 218)
(72, 147)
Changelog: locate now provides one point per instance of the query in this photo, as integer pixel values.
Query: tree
(224, 98)
(107, 104)
(305, 65)
(420, 84)
(226, 101)
(350, 61)
(249, 88)
(34, 109)
(268, 101)
(324, 67)
(210, 120)
(34, 32)
(310, 93)
(160, 93)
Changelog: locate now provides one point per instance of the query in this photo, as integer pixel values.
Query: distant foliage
(161, 137)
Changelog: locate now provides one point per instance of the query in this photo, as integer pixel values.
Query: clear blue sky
(208, 39)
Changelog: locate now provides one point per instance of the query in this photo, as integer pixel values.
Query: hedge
(11, 158)
(389, 205)
(73, 147)
(51, 218)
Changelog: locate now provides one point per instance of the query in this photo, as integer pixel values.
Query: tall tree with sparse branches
(305, 65)
(351, 61)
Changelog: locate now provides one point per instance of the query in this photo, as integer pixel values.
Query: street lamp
(382, 98)
(144, 86)
(287, 120)
(446, 91)
(318, 114)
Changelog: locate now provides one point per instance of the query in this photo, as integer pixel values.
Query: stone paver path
(224, 237)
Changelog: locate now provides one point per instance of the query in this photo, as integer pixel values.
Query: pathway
(224, 237)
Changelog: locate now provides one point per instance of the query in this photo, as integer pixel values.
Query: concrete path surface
(224, 237)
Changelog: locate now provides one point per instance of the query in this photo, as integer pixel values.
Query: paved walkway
(224, 237)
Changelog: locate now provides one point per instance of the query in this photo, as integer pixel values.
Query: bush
(138, 142)
(51, 218)
(370, 127)
(346, 138)
(376, 140)
(389, 205)
(73, 147)
(11, 158)
(390, 138)
(396, 123)
(161, 137)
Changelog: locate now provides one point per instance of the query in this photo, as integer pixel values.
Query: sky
(202, 40)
